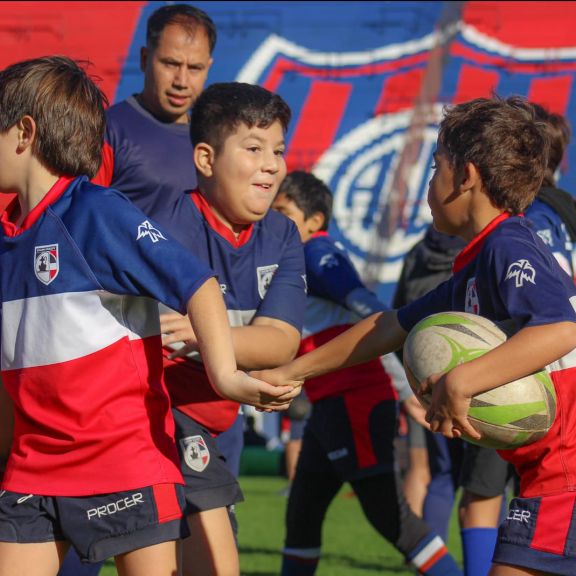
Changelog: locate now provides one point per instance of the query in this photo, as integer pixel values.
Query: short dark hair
(309, 193)
(185, 15)
(67, 107)
(559, 133)
(223, 107)
(503, 140)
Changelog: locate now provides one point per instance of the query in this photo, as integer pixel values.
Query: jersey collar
(214, 223)
(471, 250)
(12, 212)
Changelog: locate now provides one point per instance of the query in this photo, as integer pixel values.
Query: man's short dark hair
(185, 15)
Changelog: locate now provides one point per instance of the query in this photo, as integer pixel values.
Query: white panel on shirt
(78, 324)
(322, 314)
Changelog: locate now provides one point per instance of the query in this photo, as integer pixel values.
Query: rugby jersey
(507, 273)
(81, 350)
(337, 299)
(261, 274)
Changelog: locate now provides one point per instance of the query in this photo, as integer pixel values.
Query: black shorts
(483, 471)
(356, 432)
(209, 482)
(98, 526)
(540, 533)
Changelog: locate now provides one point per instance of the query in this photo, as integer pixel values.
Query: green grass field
(351, 547)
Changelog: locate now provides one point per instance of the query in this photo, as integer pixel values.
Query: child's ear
(315, 222)
(26, 132)
(204, 159)
(470, 177)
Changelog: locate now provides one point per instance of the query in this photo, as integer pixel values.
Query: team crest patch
(147, 230)
(265, 275)
(46, 263)
(196, 453)
(472, 304)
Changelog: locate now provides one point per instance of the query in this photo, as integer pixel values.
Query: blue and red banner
(366, 82)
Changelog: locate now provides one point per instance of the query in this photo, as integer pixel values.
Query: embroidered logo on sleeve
(265, 275)
(46, 263)
(146, 229)
(521, 271)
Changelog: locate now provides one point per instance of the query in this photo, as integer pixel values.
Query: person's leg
(444, 458)
(72, 566)
(314, 487)
(156, 560)
(211, 547)
(484, 479)
(388, 512)
(210, 490)
(417, 475)
(42, 559)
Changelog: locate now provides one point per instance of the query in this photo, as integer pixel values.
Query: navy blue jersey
(81, 347)
(149, 161)
(508, 273)
(337, 298)
(261, 273)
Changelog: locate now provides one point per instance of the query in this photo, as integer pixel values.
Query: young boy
(93, 461)
(349, 436)
(490, 160)
(237, 131)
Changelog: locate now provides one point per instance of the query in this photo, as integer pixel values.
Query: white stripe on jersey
(80, 323)
(322, 314)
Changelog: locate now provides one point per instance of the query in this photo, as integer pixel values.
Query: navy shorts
(483, 471)
(539, 533)
(97, 526)
(355, 432)
(209, 482)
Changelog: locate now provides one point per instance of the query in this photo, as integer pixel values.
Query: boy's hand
(245, 389)
(177, 328)
(449, 405)
(415, 410)
(278, 377)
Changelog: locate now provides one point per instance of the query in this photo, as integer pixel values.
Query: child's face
(9, 160)
(444, 201)
(175, 72)
(246, 174)
(290, 209)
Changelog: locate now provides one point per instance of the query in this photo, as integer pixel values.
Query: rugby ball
(512, 415)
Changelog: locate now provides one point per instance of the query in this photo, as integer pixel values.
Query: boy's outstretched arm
(370, 338)
(264, 343)
(210, 323)
(528, 351)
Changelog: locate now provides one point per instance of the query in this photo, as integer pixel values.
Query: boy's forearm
(265, 345)
(370, 338)
(528, 351)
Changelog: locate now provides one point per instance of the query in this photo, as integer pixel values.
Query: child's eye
(253, 148)
(280, 152)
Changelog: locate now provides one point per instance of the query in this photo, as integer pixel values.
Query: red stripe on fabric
(217, 225)
(552, 93)
(106, 171)
(473, 248)
(399, 92)
(167, 504)
(318, 123)
(553, 523)
(432, 560)
(475, 82)
(359, 406)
